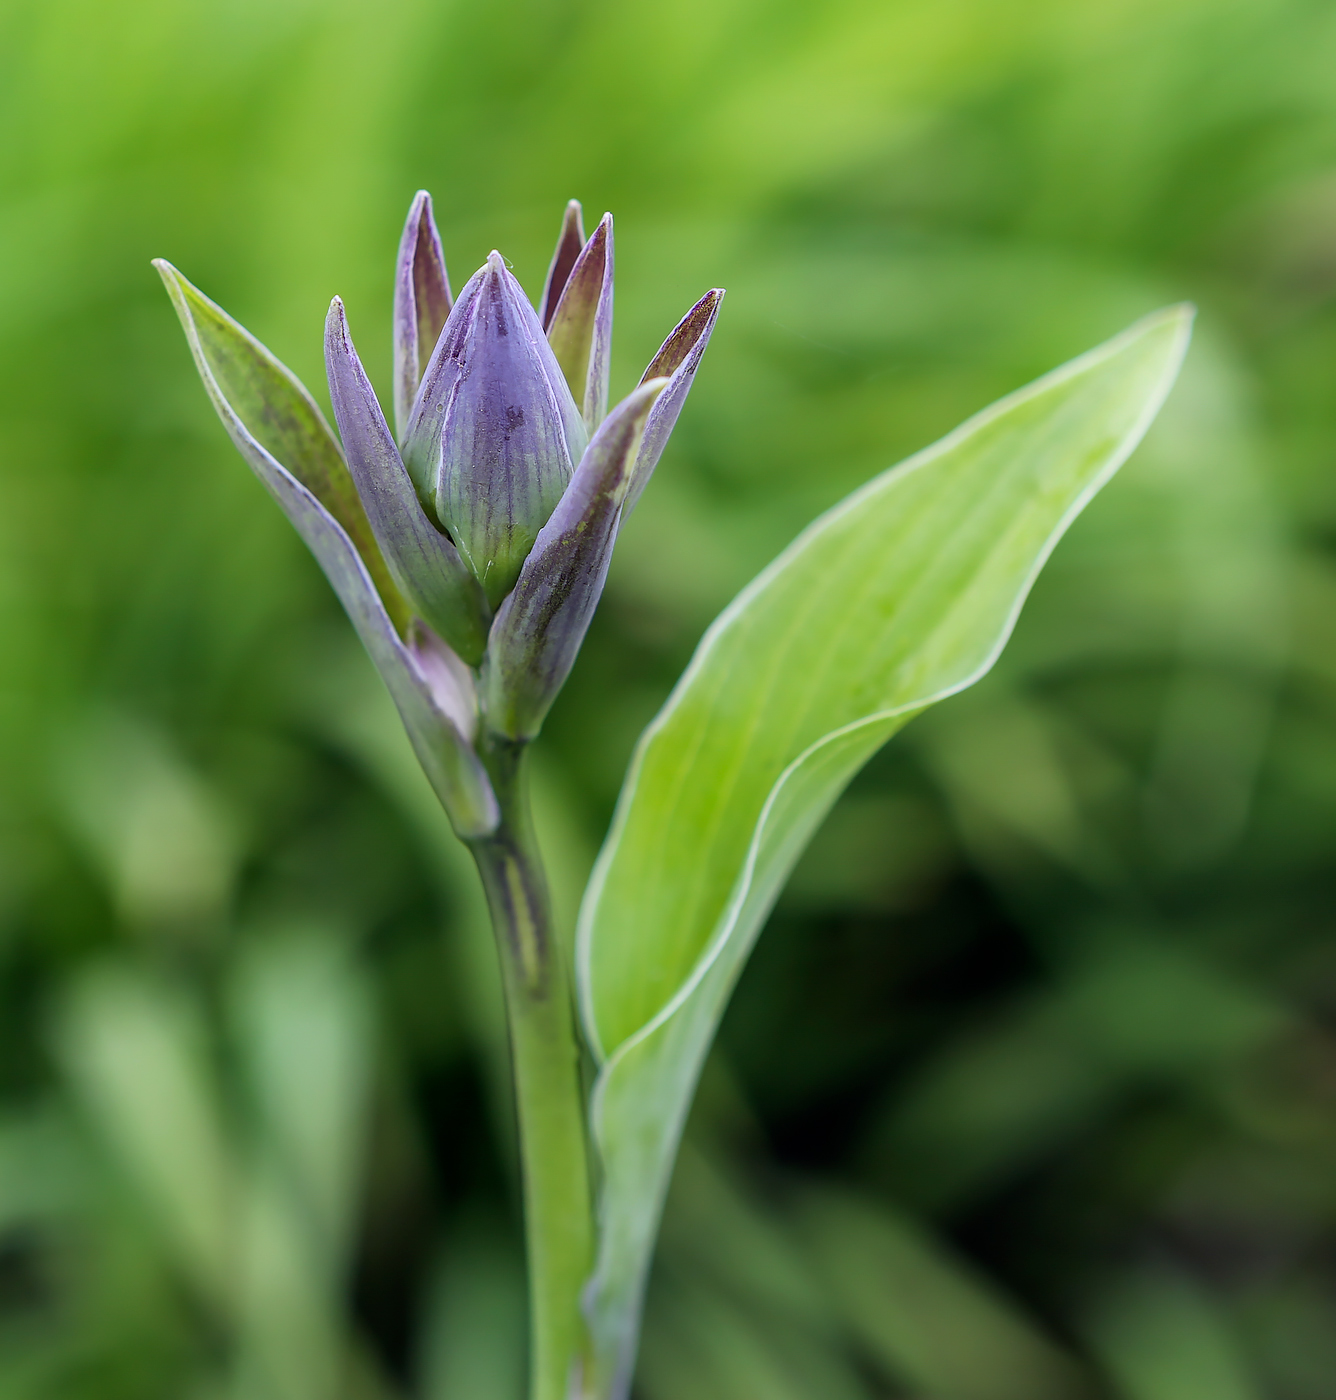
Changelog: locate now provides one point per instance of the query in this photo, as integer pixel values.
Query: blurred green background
(1030, 1090)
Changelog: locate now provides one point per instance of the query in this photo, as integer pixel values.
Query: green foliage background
(1030, 1090)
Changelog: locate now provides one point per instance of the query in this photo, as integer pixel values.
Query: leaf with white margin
(898, 597)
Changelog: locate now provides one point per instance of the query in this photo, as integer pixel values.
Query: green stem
(549, 1095)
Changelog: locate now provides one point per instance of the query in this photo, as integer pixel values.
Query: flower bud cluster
(475, 539)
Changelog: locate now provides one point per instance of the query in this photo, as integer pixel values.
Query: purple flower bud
(421, 304)
(509, 432)
(425, 566)
(580, 326)
(539, 627)
(570, 241)
(421, 439)
(678, 358)
(470, 558)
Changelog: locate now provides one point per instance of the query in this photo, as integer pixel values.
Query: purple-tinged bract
(421, 303)
(580, 326)
(539, 627)
(423, 562)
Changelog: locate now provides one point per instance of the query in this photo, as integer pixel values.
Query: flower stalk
(545, 1062)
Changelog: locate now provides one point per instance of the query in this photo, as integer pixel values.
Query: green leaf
(898, 597)
(925, 1318)
(136, 1051)
(707, 1344)
(1161, 1336)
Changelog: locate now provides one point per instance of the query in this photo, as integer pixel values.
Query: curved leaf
(896, 598)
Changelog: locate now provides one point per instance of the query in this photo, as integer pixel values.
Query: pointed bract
(679, 358)
(580, 329)
(570, 241)
(239, 375)
(247, 381)
(510, 436)
(425, 565)
(421, 305)
(540, 626)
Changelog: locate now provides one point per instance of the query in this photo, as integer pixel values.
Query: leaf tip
(1175, 320)
(1171, 326)
(1183, 316)
(170, 275)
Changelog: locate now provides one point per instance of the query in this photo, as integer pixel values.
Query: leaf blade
(899, 596)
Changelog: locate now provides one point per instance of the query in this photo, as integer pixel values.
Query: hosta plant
(469, 545)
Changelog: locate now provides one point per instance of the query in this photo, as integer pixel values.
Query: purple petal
(679, 357)
(421, 304)
(425, 565)
(510, 438)
(569, 242)
(580, 330)
(450, 763)
(539, 627)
